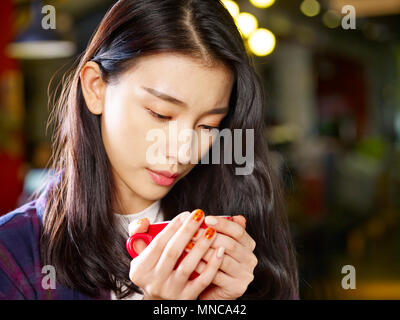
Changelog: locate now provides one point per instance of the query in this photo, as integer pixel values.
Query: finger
(202, 264)
(208, 274)
(138, 226)
(240, 219)
(232, 247)
(229, 265)
(223, 279)
(231, 229)
(175, 246)
(151, 254)
(195, 253)
(199, 233)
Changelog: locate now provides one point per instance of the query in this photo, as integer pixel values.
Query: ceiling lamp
(35, 42)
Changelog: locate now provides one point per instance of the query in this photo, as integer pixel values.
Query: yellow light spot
(262, 42)
(262, 3)
(331, 19)
(310, 8)
(232, 7)
(246, 23)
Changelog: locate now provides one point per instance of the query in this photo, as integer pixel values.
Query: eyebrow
(168, 98)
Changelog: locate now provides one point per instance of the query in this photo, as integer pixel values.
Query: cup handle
(129, 243)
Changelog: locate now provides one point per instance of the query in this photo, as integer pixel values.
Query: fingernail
(209, 233)
(198, 215)
(220, 252)
(189, 246)
(184, 216)
(211, 221)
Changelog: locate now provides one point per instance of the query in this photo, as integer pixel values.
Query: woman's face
(161, 96)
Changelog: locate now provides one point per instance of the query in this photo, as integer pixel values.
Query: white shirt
(154, 214)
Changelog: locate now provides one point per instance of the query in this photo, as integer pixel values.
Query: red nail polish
(189, 246)
(209, 233)
(198, 215)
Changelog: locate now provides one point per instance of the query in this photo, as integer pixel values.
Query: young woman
(151, 64)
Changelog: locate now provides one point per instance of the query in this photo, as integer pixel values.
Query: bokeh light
(310, 8)
(246, 23)
(331, 19)
(232, 7)
(262, 42)
(262, 3)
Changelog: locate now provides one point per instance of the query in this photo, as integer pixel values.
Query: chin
(155, 193)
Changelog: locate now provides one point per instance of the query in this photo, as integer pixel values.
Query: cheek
(123, 131)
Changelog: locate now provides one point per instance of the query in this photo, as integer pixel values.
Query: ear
(93, 87)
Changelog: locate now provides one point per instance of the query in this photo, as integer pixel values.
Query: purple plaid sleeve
(20, 276)
(20, 264)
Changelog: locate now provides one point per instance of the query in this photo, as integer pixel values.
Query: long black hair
(80, 237)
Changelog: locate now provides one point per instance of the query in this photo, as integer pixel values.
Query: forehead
(183, 77)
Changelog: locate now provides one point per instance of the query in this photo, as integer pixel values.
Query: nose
(180, 144)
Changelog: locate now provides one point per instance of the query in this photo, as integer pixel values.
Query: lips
(163, 178)
(166, 173)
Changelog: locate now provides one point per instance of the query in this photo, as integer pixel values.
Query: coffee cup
(151, 233)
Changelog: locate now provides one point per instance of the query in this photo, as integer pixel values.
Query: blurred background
(332, 82)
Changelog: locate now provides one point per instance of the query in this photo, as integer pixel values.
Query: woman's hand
(236, 271)
(153, 269)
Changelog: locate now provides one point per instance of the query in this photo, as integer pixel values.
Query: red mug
(152, 231)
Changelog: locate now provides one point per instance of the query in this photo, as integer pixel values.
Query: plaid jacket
(21, 274)
(20, 266)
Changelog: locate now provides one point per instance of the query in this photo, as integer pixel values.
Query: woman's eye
(209, 127)
(158, 116)
(163, 118)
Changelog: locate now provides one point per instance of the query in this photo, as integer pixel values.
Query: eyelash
(158, 116)
(162, 118)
